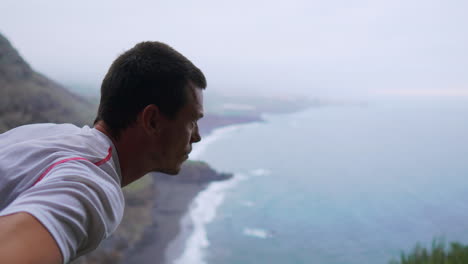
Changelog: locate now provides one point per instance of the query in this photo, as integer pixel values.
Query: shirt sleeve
(77, 202)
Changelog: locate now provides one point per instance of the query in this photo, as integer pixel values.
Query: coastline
(187, 246)
(191, 238)
(167, 213)
(178, 244)
(168, 237)
(178, 235)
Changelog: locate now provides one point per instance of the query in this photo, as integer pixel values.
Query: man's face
(177, 135)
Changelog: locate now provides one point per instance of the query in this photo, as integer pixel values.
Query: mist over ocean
(335, 184)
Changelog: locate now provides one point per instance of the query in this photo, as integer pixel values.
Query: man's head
(149, 73)
(153, 93)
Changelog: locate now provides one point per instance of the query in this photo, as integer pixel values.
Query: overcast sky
(316, 48)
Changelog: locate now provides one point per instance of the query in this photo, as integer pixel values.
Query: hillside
(27, 96)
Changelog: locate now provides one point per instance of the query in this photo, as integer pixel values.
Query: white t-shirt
(65, 176)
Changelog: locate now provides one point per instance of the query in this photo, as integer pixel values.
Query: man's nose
(196, 135)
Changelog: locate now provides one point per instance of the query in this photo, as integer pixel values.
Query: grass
(139, 185)
(440, 253)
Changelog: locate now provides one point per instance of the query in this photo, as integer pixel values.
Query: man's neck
(129, 159)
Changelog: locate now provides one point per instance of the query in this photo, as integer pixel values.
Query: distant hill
(27, 96)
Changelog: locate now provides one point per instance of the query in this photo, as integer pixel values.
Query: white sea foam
(203, 211)
(248, 203)
(257, 232)
(204, 207)
(260, 172)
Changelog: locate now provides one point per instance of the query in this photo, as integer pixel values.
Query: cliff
(27, 96)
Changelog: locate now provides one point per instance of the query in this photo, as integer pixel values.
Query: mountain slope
(29, 97)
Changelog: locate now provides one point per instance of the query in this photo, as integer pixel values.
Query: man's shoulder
(31, 151)
(43, 127)
(36, 131)
(58, 137)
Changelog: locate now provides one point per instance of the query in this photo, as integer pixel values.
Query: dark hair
(149, 73)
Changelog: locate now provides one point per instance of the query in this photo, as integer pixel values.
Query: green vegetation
(456, 253)
(199, 172)
(138, 185)
(139, 200)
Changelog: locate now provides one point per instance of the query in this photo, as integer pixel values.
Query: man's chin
(174, 170)
(171, 171)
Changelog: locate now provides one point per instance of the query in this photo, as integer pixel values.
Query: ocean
(337, 184)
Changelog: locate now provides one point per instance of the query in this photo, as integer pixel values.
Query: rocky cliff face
(29, 97)
(12, 66)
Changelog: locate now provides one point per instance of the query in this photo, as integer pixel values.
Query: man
(60, 185)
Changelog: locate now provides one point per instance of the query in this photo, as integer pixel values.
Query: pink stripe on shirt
(99, 163)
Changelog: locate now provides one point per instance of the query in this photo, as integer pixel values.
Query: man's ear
(151, 119)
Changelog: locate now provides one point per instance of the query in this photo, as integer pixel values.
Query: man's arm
(23, 239)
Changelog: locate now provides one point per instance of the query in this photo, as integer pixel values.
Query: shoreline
(167, 238)
(175, 248)
(177, 234)
(188, 245)
(166, 217)
(176, 251)
(202, 212)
